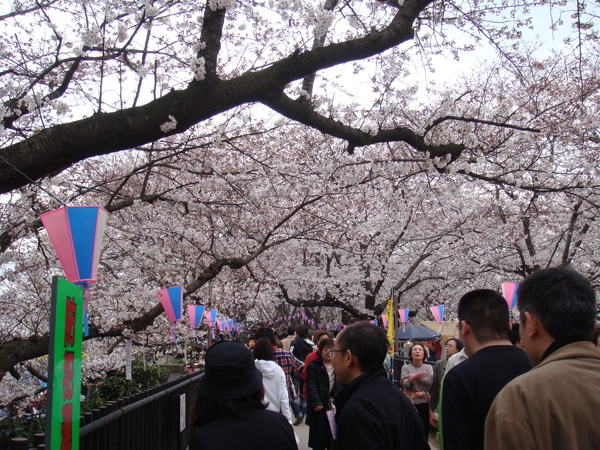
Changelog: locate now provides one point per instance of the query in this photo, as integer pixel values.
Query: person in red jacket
(317, 336)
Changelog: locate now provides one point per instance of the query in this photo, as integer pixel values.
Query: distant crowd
(535, 385)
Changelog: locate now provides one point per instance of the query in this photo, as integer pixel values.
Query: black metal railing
(156, 419)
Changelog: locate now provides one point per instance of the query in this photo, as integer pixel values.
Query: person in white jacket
(276, 393)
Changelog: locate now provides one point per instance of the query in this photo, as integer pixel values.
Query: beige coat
(553, 406)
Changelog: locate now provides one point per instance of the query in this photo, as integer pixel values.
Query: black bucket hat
(229, 372)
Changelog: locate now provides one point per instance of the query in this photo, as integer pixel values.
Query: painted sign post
(64, 368)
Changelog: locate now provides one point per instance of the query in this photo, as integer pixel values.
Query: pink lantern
(384, 320)
(438, 313)
(172, 301)
(404, 317)
(509, 292)
(76, 233)
(195, 312)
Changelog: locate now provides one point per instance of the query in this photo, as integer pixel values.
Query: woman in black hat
(228, 413)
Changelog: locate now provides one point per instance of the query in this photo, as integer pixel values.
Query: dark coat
(260, 430)
(372, 413)
(318, 393)
(300, 348)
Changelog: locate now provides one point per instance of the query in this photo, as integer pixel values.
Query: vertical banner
(128, 359)
(389, 314)
(64, 365)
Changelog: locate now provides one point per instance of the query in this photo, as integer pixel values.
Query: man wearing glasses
(370, 411)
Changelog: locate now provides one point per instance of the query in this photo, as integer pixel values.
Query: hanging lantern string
(173, 333)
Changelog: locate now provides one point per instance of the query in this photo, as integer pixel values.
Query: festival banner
(64, 366)
(389, 318)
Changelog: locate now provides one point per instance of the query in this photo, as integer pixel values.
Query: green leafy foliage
(115, 386)
(23, 427)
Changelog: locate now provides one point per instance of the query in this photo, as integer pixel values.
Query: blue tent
(417, 333)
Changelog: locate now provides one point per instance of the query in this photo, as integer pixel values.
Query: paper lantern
(172, 301)
(195, 312)
(76, 233)
(509, 292)
(211, 317)
(438, 313)
(403, 315)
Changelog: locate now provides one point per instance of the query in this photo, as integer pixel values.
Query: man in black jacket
(371, 413)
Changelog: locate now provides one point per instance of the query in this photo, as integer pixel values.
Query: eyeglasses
(331, 352)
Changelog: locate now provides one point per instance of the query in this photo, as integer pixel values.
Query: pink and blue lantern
(404, 317)
(509, 292)
(171, 300)
(196, 312)
(438, 313)
(76, 233)
(384, 320)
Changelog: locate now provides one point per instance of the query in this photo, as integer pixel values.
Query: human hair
(514, 335)
(367, 342)
(486, 312)
(302, 331)
(263, 350)
(325, 342)
(410, 351)
(267, 333)
(459, 344)
(291, 330)
(204, 410)
(317, 335)
(563, 300)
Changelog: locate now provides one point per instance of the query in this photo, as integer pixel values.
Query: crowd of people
(497, 386)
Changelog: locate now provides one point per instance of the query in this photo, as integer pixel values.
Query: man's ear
(465, 328)
(350, 359)
(533, 327)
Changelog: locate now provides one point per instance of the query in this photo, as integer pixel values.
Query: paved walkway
(302, 432)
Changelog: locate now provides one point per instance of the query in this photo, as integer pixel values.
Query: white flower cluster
(168, 126)
(143, 71)
(323, 21)
(91, 37)
(122, 32)
(151, 11)
(198, 68)
(200, 45)
(220, 4)
(61, 107)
